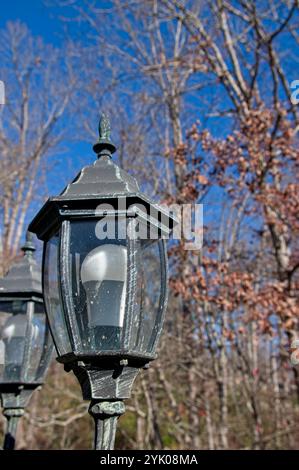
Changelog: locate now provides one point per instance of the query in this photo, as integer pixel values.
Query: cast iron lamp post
(104, 281)
(26, 345)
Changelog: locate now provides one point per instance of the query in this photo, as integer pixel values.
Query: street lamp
(26, 345)
(104, 281)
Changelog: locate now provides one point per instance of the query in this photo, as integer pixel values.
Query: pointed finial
(104, 127)
(104, 146)
(29, 247)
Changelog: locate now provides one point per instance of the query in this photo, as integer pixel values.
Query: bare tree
(39, 84)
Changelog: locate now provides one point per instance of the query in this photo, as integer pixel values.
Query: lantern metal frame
(23, 283)
(106, 377)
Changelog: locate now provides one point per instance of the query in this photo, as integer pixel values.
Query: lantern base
(16, 396)
(105, 382)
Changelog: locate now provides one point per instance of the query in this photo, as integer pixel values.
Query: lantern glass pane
(98, 263)
(12, 339)
(41, 346)
(47, 353)
(52, 297)
(150, 291)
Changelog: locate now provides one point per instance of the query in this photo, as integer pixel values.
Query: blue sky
(40, 19)
(33, 12)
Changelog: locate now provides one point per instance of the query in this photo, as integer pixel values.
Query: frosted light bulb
(14, 327)
(104, 275)
(13, 336)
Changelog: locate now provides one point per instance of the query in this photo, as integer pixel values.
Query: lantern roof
(101, 182)
(24, 276)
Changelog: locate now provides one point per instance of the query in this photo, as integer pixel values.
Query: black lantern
(26, 345)
(104, 281)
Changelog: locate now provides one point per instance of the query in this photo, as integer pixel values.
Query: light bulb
(14, 327)
(13, 336)
(104, 274)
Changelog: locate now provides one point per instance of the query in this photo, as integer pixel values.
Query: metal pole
(12, 415)
(105, 415)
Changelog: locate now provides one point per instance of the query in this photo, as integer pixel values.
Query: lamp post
(25, 341)
(104, 281)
